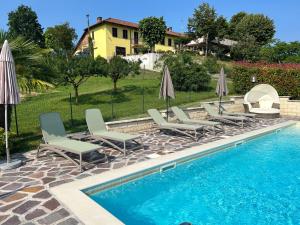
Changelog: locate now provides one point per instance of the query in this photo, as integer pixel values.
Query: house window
(125, 34)
(163, 42)
(93, 35)
(115, 32)
(136, 38)
(121, 51)
(170, 42)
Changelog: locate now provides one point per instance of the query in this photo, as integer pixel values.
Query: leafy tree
(246, 49)
(153, 30)
(234, 21)
(222, 27)
(280, 52)
(186, 74)
(77, 70)
(119, 68)
(258, 26)
(24, 22)
(60, 37)
(206, 23)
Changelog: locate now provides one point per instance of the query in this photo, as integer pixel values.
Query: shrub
(186, 74)
(212, 65)
(2, 141)
(285, 78)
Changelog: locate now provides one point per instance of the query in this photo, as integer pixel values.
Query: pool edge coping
(89, 212)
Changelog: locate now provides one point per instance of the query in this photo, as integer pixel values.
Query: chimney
(169, 28)
(99, 19)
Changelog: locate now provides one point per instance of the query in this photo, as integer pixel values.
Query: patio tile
(35, 214)
(43, 195)
(54, 217)
(14, 220)
(51, 204)
(26, 206)
(69, 221)
(10, 206)
(14, 197)
(33, 189)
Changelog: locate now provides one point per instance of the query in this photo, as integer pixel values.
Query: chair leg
(80, 162)
(38, 151)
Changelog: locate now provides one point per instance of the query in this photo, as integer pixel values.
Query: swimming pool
(254, 183)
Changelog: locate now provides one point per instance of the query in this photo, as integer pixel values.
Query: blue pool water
(254, 183)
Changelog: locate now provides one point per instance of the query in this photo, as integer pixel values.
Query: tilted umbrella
(9, 92)
(221, 88)
(166, 88)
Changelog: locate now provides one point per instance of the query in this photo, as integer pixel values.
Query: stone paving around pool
(24, 195)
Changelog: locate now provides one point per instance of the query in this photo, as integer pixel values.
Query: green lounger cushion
(97, 127)
(113, 135)
(161, 122)
(54, 134)
(74, 146)
(181, 116)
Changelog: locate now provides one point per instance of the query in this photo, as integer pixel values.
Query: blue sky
(286, 14)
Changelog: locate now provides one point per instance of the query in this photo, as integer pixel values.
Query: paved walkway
(24, 196)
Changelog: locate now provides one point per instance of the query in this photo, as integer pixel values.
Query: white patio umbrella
(166, 88)
(9, 94)
(221, 88)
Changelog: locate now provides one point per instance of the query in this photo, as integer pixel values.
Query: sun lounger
(98, 131)
(56, 140)
(180, 128)
(234, 120)
(251, 116)
(183, 118)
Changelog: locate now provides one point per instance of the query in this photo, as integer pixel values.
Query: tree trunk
(2, 116)
(76, 94)
(115, 85)
(206, 51)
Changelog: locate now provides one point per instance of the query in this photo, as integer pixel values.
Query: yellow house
(117, 37)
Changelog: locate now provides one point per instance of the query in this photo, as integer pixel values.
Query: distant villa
(112, 37)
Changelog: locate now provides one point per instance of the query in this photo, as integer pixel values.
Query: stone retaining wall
(235, 104)
(289, 107)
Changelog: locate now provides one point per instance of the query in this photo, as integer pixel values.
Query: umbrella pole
(6, 136)
(167, 108)
(220, 99)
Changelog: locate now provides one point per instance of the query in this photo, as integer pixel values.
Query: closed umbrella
(221, 88)
(9, 92)
(166, 88)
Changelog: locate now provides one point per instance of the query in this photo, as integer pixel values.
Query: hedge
(285, 78)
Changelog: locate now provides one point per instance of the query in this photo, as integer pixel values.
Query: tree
(24, 22)
(234, 21)
(246, 49)
(60, 37)
(222, 27)
(203, 24)
(77, 70)
(119, 68)
(280, 52)
(153, 30)
(258, 26)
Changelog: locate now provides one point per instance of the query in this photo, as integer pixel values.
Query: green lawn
(96, 93)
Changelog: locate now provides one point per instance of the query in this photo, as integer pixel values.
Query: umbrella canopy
(166, 87)
(221, 88)
(9, 92)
